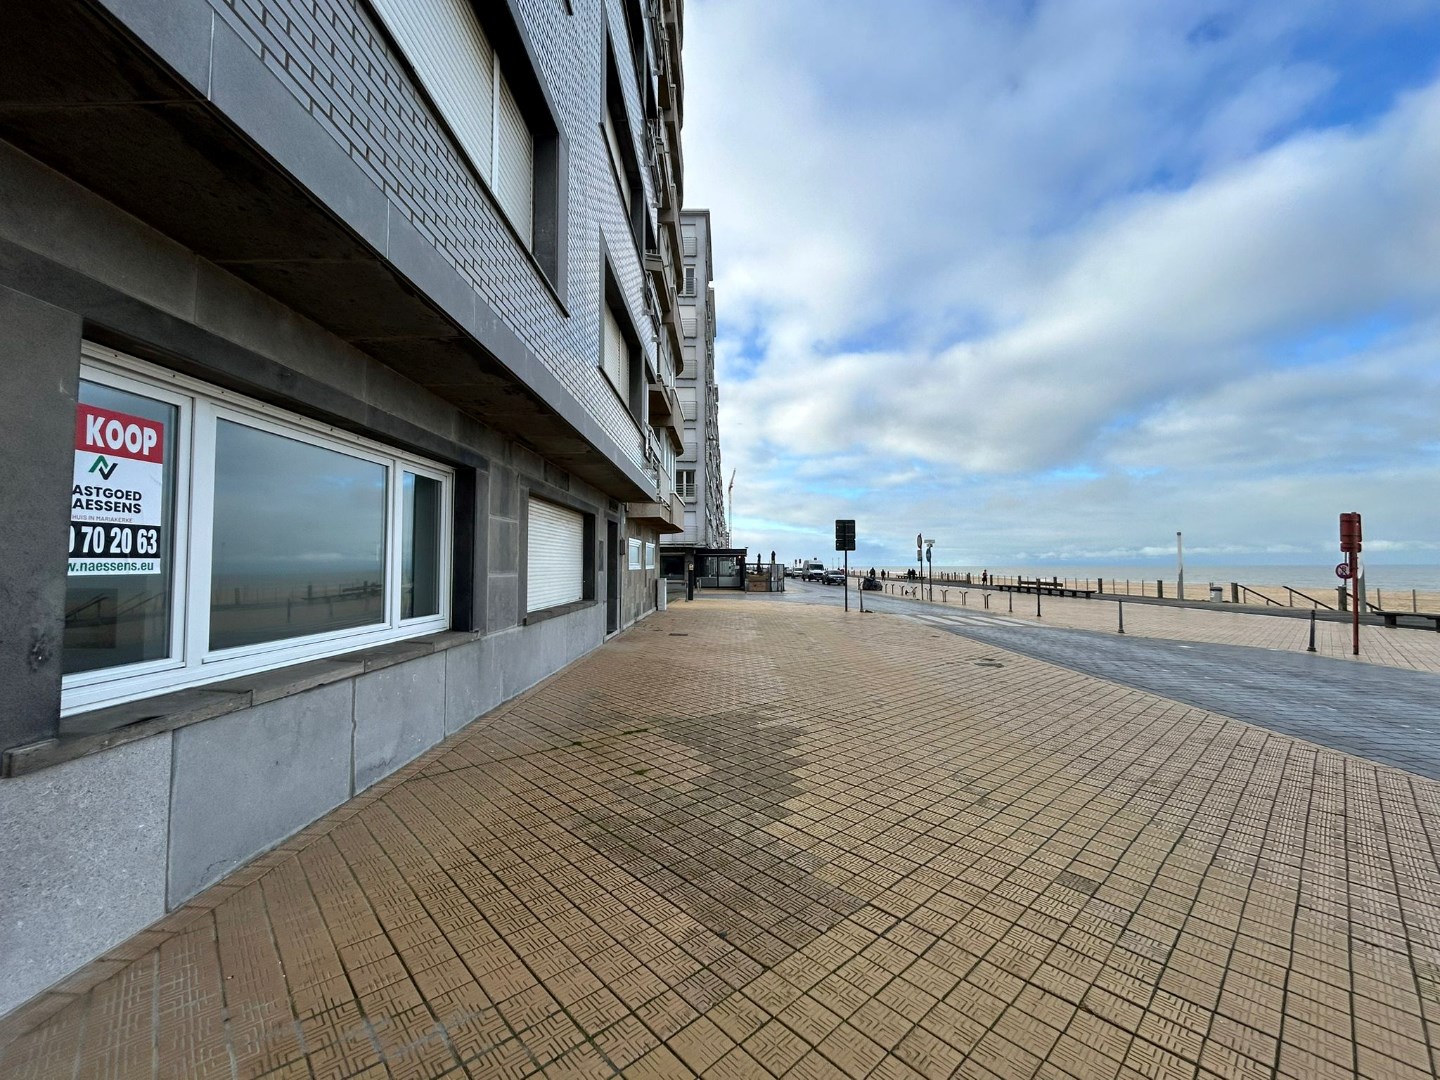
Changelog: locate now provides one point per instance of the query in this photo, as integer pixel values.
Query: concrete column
(39, 377)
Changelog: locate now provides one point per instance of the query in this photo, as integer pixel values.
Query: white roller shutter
(515, 163)
(454, 61)
(615, 355)
(556, 557)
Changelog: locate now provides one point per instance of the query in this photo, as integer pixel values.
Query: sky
(1051, 280)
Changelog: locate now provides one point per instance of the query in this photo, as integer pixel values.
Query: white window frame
(634, 552)
(649, 555)
(192, 663)
(684, 490)
(688, 287)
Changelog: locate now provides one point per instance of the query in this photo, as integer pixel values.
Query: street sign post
(845, 541)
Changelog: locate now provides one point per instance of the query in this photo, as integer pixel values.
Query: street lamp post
(1180, 565)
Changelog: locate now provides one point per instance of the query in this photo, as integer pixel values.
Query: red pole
(1354, 605)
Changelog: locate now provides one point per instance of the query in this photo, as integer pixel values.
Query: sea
(1397, 576)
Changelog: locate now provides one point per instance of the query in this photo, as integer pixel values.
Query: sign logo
(104, 467)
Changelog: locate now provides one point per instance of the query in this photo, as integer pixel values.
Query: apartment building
(699, 479)
(339, 344)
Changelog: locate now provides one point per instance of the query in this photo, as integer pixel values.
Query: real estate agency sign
(115, 503)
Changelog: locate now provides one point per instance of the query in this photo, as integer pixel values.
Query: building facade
(699, 476)
(338, 344)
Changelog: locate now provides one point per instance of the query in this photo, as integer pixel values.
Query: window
(615, 355)
(649, 556)
(688, 289)
(555, 556)
(688, 325)
(461, 71)
(685, 483)
(634, 551)
(213, 536)
(689, 245)
(620, 142)
(617, 159)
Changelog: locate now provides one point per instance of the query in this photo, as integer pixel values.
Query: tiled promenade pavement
(744, 840)
(1400, 647)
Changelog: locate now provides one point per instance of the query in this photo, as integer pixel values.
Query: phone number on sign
(113, 540)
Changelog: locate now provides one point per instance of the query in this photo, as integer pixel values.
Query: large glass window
(299, 539)
(213, 536)
(420, 555)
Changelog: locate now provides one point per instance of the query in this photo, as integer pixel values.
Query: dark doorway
(612, 577)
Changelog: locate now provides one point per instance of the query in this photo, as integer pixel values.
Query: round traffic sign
(1342, 570)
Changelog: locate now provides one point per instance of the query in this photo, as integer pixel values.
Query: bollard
(942, 595)
(1011, 597)
(1312, 632)
(963, 595)
(987, 601)
(1037, 598)
(1121, 606)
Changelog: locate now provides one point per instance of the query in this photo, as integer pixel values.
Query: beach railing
(1315, 603)
(1242, 590)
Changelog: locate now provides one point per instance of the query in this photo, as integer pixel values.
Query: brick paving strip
(744, 839)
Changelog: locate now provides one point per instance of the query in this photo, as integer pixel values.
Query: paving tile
(653, 866)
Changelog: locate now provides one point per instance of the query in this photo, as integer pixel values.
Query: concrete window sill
(558, 610)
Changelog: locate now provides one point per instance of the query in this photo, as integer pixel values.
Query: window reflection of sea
(248, 609)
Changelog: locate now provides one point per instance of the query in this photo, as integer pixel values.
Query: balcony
(665, 413)
(667, 515)
(660, 266)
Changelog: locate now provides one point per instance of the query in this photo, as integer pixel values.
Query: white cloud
(1001, 247)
